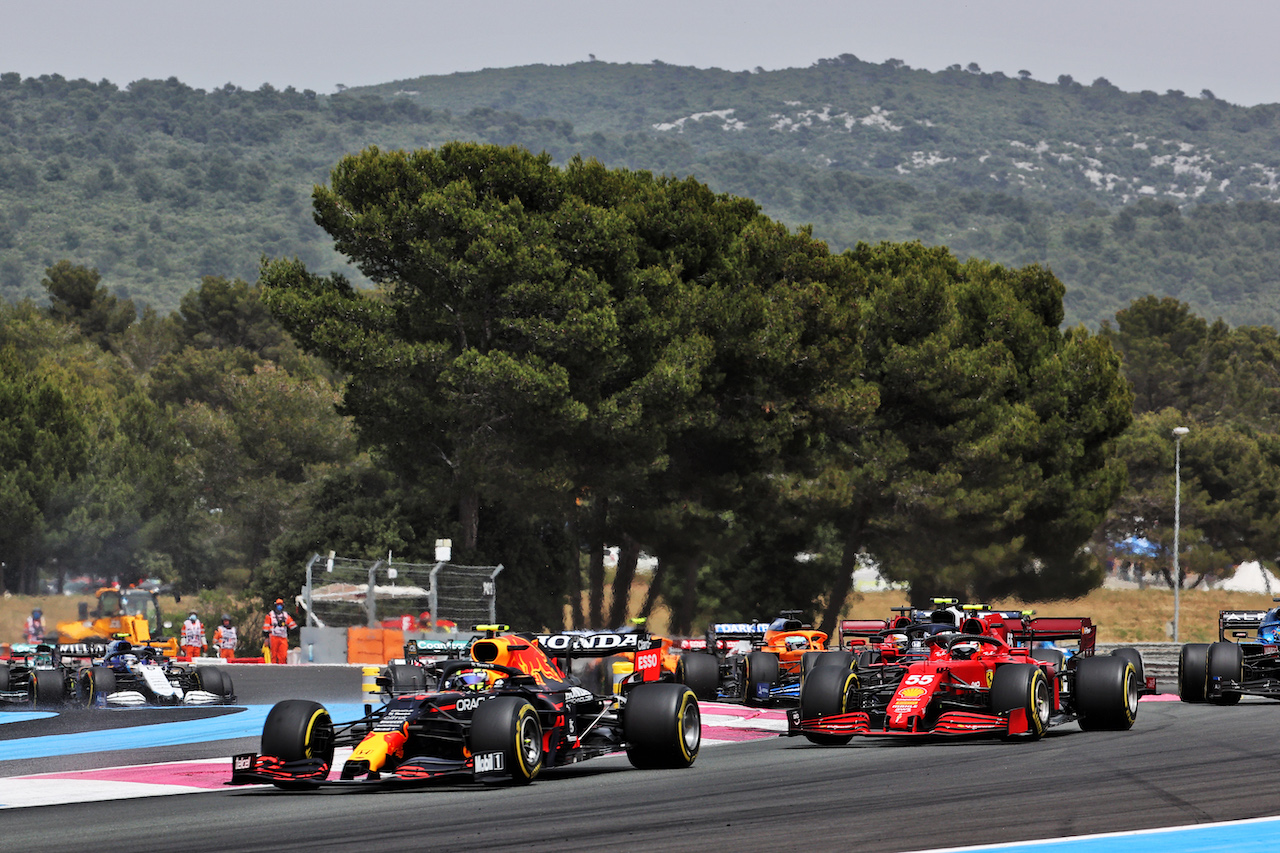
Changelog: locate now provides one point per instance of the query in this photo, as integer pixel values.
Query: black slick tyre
(662, 725)
(1106, 693)
(1225, 662)
(759, 675)
(406, 678)
(509, 725)
(1193, 672)
(213, 680)
(835, 657)
(825, 693)
(298, 729)
(1023, 686)
(4, 676)
(48, 687)
(700, 673)
(1134, 657)
(92, 681)
(1054, 657)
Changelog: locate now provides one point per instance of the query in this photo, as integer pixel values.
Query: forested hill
(1122, 194)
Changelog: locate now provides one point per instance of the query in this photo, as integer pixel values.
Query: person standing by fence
(275, 630)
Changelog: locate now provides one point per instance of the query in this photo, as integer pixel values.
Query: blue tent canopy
(1139, 546)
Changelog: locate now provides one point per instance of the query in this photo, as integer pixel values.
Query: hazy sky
(1228, 47)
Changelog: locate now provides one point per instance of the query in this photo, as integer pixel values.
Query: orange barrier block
(364, 645)
(392, 644)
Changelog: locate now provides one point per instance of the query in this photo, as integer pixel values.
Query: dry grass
(14, 610)
(1122, 616)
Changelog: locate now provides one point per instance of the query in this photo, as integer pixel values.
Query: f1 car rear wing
(858, 631)
(1054, 628)
(700, 645)
(740, 630)
(600, 644)
(1240, 624)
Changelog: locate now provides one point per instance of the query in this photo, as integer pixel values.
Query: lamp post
(1178, 433)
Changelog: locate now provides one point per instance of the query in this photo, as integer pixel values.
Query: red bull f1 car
(983, 676)
(1244, 662)
(502, 711)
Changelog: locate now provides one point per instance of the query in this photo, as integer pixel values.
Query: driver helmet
(118, 647)
(796, 643)
(899, 640)
(472, 681)
(1270, 632)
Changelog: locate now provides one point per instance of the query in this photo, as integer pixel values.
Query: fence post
(306, 593)
(433, 596)
(371, 597)
(493, 595)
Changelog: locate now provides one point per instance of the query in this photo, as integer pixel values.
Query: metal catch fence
(429, 597)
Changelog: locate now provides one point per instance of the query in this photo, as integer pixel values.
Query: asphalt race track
(1181, 764)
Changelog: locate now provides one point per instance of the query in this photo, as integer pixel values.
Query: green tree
(1230, 501)
(75, 296)
(581, 338)
(985, 466)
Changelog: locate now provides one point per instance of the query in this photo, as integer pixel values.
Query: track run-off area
(1187, 777)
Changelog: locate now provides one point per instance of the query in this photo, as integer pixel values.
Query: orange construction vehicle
(132, 614)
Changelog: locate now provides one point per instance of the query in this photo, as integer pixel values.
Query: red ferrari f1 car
(500, 711)
(982, 676)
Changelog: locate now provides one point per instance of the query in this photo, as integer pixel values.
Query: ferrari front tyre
(761, 669)
(700, 673)
(1106, 693)
(92, 681)
(1024, 686)
(807, 661)
(1225, 661)
(1193, 672)
(48, 687)
(835, 657)
(509, 725)
(662, 725)
(298, 729)
(825, 693)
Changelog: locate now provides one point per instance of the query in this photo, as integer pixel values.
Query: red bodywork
(943, 689)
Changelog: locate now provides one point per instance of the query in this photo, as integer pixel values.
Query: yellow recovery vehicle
(131, 614)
